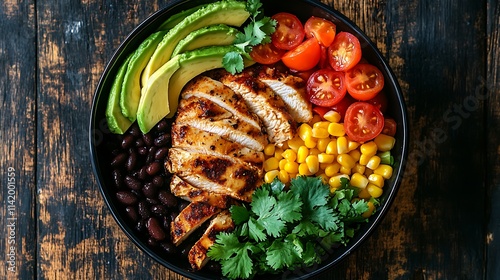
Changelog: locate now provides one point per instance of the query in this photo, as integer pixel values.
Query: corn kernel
(331, 148)
(324, 178)
(336, 129)
(376, 179)
(319, 132)
(373, 163)
(269, 176)
(369, 148)
(364, 159)
(342, 147)
(271, 164)
(326, 158)
(346, 160)
(312, 163)
(384, 142)
(332, 169)
(283, 176)
(369, 212)
(269, 149)
(364, 194)
(293, 176)
(355, 154)
(359, 168)
(374, 191)
(305, 131)
(314, 151)
(316, 118)
(334, 181)
(295, 143)
(384, 170)
(282, 163)
(345, 170)
(323, 165)
(322, 124)
(291, 167)
(322, 144)
(359, 181)
(302, 153)
(310, 142)
(304, 169)
(289, 155)
(278, 153)
(352, 145)
(284, 145)
(332, 116)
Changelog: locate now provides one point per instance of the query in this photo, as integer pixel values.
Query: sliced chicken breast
(205, 115)
(217, 92)
(191, 138)
(186, 191)
(198, 254)
(214, 174)
(264, 102)
(189, 219)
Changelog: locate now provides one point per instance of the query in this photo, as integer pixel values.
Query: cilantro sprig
(284, 229)
(257, 31)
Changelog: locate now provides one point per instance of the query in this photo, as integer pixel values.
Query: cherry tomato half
(326, 87)
(289, 31)
(342, 106)
(266, 54)
(389, 127)
(363, 121)
(321, 29)
(364, 81)
(344, 52)
(304, 57)
(380, 101)
(321, 111)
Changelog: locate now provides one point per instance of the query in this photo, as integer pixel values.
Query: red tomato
(364, 81)
(389, 127)
(321, 111)
(304, 57)
(266, 54)
(380, 101)
(344, 52)
(323, 60)
(326, 87)
(342, 106)
(363, 121)
(321, 29)
(289, 31)
(303, 74)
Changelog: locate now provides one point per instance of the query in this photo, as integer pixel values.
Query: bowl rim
(361, 235)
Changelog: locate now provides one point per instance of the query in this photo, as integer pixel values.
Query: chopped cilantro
(283, 229)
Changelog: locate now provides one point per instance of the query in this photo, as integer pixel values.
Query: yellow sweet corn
(283, 176)
(373, 163)
(358, 168)
(271, 163)
(320, 133)
(322, 144)
(269, 149)
(326, 158)
(304, 169)
(384, 170)
(376, 179)
(289, 155)
(369, 212)
(342, 146)
(384, 142)
(346, 160)
(355, 154)
(295, 143)
(336, 129)
(374, 191)
(305, 131)
(331, 148)
(312, 163)
(332, 169)
(302, 153)
(359, 181)
(334, 181)
(368, 148)
(332, 116)
(269, 176)
(291, 167)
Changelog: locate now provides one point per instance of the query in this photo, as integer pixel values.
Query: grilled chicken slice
(191, 138)
(264, 102)
(189, 219)
(291, 89)
(186, 191)
(198, 254)
(214, 174)
(217, 92)
(205, 115)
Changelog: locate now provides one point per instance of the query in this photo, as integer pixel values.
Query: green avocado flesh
(117, 122)
(213, 35)
(131, 88)
(231, 13)
(172, 21)
(192, 64)
(154, 104)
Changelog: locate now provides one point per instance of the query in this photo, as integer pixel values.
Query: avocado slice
(229, 12)
(154, 103)
(131, 88)
(172, 21)
(213, 35)
(192, 64)
(117, 122)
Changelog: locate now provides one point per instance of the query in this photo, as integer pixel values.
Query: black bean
(135, 130)
(162, 140)
(132, 213)
(142, 173)
(132, 183)
(152, 201)
(167, 199)
(161, 153)
(143, 209)
(142, 151)
(159, 210)
(158, 181)
(127, 141)
(185, 252)
(126, 197)
(148, 139)
(131, 161)
(117, 176)
(140, 226)
(139, 142)
(168, 247)
(155, 229)
(151, 155)
(166, 223)
(152, 242)
(150, 190)
(137, 193)
(162, 125)
(119, 160)
(153, 168)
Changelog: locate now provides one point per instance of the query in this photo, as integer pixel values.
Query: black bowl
(100, 137)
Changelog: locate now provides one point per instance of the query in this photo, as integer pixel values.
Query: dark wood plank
(491, 88)
(17, 138)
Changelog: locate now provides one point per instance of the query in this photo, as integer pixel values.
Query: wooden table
(444, 223)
